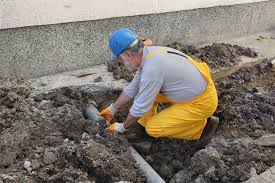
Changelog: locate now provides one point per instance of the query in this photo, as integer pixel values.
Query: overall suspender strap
(149, 55)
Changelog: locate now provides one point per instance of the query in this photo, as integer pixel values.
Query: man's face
(128, 60)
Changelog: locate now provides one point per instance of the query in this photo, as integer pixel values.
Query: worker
(162, 75)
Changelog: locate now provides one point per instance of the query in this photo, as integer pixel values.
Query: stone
(28, 166)
(49, 157)
(165, 170)
(177, 164)
(66, 140)
(266, 140)
(273, 65)
(35, 164)
(253, 172)
(85, 136)
(200, 179)
(144, 147)
(203, 158)
(183, 176)
(210, 172)
(98, 79)
(8, 158)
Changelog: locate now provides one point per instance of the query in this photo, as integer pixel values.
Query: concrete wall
(41, 50)
(20, 13)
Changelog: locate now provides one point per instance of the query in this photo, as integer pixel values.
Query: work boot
(137, 134)
(208, 132)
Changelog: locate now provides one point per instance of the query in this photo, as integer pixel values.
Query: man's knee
(152, 131)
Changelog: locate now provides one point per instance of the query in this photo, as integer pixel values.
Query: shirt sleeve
(132, 88)
(145, 98)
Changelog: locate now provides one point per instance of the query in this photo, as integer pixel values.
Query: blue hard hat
(120, 40)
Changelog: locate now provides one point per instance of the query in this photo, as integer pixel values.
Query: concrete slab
(67, 79)
(265, 177)
(244, 62)
(263, 43)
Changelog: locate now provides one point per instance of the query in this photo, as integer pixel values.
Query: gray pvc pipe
(92, 113)
(151, 175)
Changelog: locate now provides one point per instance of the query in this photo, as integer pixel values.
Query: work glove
(119, 127)
(108, 113)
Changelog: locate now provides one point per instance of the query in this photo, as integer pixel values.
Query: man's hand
(119, 127)
(108, 112)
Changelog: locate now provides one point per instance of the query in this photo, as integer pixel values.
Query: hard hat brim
(114, 57)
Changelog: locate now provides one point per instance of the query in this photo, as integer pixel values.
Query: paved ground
(262, 43)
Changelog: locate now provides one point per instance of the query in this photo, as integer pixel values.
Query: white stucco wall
(20, 13)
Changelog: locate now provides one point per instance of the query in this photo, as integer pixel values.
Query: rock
(253, 172)
(165, 171)
(66, 140)
(28, 166)
(203, 159)
(144, 147)
(35, 164)
(177, 164)
(85, 136)
(98, 79)
(210, 172)
(7, 158)
(45, 104)
(183, 176)
(149, 159)
(37, 156)
(273, 65)
(266, 140)
(200, 179)
(6, 178)
(49, 157)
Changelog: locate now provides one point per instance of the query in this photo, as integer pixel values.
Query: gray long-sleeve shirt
(172, 75)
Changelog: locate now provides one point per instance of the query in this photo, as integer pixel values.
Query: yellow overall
(184, 120)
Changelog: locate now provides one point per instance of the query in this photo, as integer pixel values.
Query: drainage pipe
(151, 175)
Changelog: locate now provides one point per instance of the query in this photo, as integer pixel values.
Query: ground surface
(48, 133)
(246, 111)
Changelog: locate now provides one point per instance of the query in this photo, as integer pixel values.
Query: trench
(50, 131)
(246, 98)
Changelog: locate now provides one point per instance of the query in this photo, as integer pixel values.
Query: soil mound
(217, 55)
(45, 141)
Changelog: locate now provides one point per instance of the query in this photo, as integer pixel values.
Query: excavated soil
(44, 140)
(246, 111)
(217, 55)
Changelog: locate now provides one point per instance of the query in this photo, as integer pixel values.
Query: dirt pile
(246, 102)
(45, 141)
(246, 112)
(226, 163)
(216, 55)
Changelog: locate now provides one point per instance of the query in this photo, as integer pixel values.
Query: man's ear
(128, 55)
